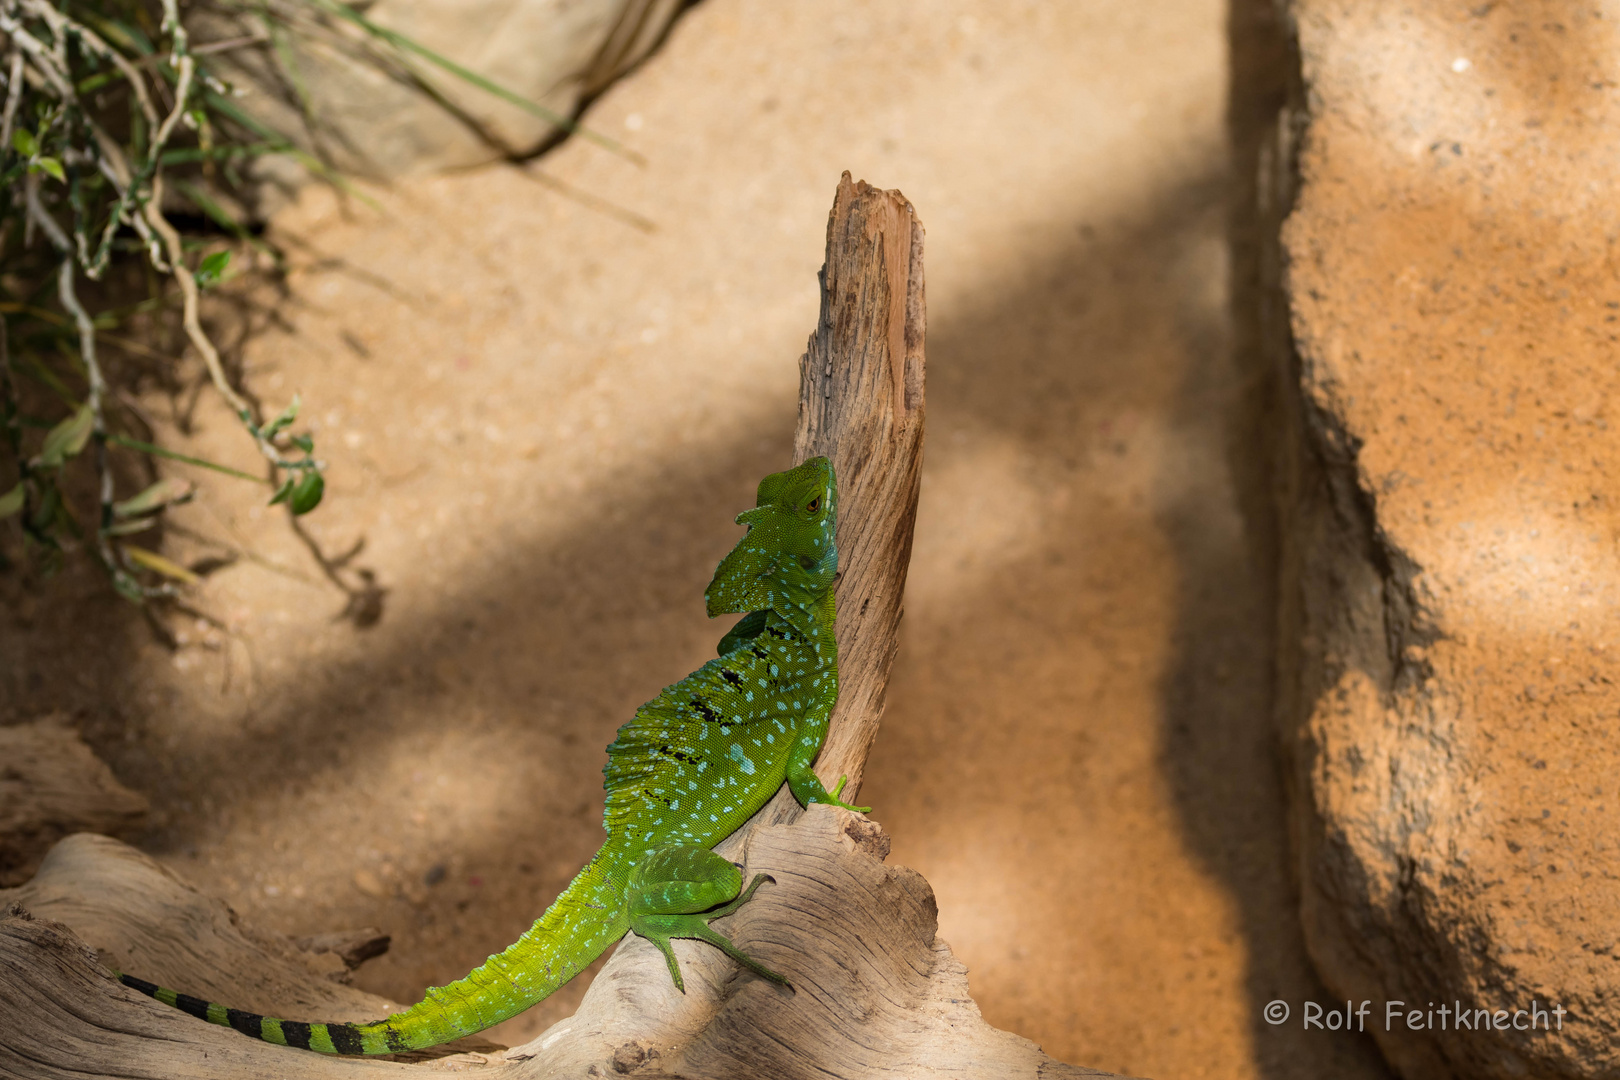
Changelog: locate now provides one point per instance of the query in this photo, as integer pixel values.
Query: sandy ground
(541, 416)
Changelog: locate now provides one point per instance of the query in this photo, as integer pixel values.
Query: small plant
(101, 97)
(96, 103)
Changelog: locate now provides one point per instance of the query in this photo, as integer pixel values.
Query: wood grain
(861, 405)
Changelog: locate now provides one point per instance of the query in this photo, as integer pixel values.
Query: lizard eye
(814, 504)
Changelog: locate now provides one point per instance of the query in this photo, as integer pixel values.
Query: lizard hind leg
(676, 890)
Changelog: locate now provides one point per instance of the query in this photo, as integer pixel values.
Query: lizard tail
(325, 1038)
(576, 929)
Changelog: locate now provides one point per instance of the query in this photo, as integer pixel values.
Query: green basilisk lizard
(694, 764)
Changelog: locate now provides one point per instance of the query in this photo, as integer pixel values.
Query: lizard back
(689, 769)
(705, 754)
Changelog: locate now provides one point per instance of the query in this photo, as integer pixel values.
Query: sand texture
(545, 390)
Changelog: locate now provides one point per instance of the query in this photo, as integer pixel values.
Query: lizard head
(789, 545)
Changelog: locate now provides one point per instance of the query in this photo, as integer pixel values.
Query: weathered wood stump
(876, 993)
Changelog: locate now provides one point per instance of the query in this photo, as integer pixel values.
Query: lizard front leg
(810, 733)
(674, 892)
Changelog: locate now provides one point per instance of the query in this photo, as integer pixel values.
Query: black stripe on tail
(250, 1024)
(345, 1037)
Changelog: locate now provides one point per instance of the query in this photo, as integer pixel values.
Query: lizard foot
(807, 789)
(673, 893)
(836, 801)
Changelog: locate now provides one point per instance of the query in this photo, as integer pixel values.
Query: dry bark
(876, 993)
(353, 947)
(142, 919)
(861, 405)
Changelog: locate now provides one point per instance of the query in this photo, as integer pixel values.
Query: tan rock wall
(1451, 518)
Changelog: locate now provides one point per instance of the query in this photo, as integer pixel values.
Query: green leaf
(124, 528)
(50, 502)
(147, 448)
(305, 443)
(212, 269)
(96, 82)
(282, 492)
(169, 490)
(67, 438)
(306, 494)
(12, 501)
(24, 143)
(51, 166)
(288, 415)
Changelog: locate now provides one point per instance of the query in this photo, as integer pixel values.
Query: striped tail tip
(345, 1039)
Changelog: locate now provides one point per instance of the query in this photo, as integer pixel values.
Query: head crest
(789, 546)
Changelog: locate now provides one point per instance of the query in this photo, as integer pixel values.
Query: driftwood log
(877, 993)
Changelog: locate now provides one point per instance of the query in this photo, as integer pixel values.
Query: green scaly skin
(695, 764)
